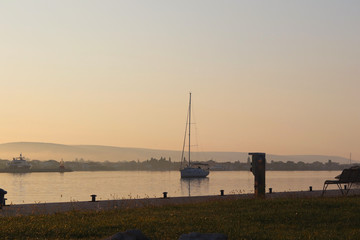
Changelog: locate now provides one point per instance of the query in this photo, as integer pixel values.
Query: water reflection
(194, 186)
(70, 186)
(19, 183)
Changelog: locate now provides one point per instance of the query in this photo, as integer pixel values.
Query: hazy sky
(280, 77)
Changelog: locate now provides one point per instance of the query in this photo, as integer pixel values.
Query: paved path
(50, 208)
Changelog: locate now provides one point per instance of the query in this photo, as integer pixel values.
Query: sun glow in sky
(280, 77)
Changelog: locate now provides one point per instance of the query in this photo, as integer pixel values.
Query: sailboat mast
(189, 125)
(350, 158)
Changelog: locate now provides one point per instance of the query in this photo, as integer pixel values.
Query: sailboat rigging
(187, 169)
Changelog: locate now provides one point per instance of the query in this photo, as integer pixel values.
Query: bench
(3, 203)
(345, 180)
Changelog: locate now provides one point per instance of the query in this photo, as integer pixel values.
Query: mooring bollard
(310, 188)
(221, 192)
(165, 194)
(93, 197)
(270, 190)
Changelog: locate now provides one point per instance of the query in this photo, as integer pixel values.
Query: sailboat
(187, 169)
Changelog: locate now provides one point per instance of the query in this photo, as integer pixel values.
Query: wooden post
(258, 169)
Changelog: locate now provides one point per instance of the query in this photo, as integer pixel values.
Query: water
(78, 186)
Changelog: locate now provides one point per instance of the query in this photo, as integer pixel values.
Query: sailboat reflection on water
(194, 186)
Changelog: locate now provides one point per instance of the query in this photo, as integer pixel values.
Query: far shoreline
(142, 170)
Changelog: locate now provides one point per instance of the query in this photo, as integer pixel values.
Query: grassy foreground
(318, 218)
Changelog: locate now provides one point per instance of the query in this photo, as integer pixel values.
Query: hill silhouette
(46, 151)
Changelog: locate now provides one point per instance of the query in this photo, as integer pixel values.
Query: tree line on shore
(164, 164)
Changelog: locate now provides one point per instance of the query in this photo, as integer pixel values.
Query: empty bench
(345, 180)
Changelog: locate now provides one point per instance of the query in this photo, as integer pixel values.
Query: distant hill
(47, 151)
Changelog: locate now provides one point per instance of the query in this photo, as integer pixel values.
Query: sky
(280, 77)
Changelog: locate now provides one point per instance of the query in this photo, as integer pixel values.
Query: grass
(312, 218)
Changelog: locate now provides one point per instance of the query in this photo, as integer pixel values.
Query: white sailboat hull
(190, 172)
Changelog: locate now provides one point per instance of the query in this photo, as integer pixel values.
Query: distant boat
(187, 169)
(62, 164)
(62, 167)
(19, 164)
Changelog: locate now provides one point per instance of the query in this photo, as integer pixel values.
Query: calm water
(78, 186)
